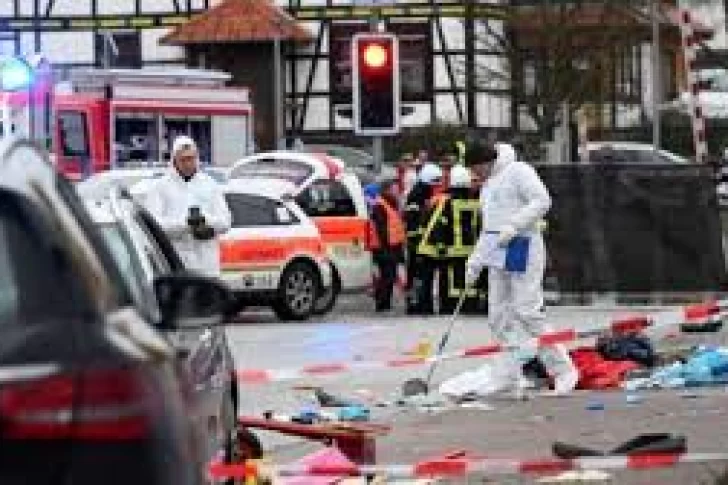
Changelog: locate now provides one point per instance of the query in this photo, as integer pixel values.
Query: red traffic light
(375, 55)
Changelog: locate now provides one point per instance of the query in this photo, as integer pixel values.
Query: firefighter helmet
(460, 177)
(430, 174)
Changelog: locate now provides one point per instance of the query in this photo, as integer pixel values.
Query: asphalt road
(353, 332)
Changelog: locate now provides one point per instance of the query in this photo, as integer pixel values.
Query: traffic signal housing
(376, 85)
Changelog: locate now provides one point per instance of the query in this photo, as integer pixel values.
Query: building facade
(454, 69)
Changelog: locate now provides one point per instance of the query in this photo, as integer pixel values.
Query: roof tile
(239, 21)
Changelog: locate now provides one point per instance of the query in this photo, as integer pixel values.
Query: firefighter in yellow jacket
(449, 235)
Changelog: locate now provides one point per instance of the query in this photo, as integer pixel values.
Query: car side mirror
(188, 301)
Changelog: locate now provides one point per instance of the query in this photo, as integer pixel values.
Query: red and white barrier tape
(698, 313)
(471, 467)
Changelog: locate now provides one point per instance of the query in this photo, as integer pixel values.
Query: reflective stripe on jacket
(396, 234)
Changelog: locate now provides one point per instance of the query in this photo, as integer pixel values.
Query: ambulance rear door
(339, 211)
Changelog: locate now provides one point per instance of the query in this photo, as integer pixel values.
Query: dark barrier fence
(630, 228)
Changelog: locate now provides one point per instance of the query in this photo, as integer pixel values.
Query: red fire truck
(102, 119)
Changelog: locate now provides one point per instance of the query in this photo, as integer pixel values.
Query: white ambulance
(273, 255)
(334, 199)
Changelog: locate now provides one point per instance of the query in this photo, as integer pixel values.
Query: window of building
(119, 49)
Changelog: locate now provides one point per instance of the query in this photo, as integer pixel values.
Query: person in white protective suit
(514, 200)
(190, 207)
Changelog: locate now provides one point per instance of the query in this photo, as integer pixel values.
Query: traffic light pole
(377, 153)
(377, 25)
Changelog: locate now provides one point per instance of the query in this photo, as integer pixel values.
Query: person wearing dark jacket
(449, 236)
(386, 241)
(420, 269)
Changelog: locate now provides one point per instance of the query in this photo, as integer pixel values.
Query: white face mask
(410, 178)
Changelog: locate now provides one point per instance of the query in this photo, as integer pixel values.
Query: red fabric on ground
(597, 373)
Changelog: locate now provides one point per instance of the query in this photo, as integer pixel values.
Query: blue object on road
(307, 416)
(595, 406)
(517, 254)
(354, 413)
(707, 366)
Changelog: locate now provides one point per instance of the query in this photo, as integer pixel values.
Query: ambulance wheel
(297, 292)
(326, 301)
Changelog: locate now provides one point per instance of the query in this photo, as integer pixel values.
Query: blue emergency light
(15, 74)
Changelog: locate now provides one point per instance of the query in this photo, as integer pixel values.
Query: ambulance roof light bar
(150, 76)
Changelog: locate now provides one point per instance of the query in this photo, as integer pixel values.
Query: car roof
(99, 184)
(624, 145)
(323, 164)
(19, 175)
(271, 188)
(628, 145)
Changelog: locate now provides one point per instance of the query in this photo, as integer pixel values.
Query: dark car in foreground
(144, 253)
(90, 391)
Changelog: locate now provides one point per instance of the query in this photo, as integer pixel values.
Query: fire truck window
(72, 127)
(199, 128)
(136, 138)
(327, 198)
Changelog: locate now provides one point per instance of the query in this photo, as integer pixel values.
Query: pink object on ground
(326, 457)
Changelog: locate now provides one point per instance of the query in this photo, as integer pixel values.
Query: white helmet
(430, 174)
(460, 177)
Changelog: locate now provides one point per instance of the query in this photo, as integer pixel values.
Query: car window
(644, 156)
(78, 208)
(152, 251)
(150, 225)
(325, 198)
(290, 170)
(607, 155)
(126, 260)
(253, 210)
(32, 270)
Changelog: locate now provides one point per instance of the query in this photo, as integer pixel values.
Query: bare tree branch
(566, 52)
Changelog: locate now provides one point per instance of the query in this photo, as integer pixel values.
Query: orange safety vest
(395, 227)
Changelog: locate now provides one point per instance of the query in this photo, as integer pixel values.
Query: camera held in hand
(198, 224)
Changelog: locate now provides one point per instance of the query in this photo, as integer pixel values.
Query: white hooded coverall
(170, 200)
(514, 199)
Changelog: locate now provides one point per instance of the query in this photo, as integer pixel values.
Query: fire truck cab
(119, 118)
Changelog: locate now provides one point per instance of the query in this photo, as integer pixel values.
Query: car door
(342, 221)
(202, 351)
(263, 237)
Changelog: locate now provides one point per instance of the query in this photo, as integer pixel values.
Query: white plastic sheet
(494, 376)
